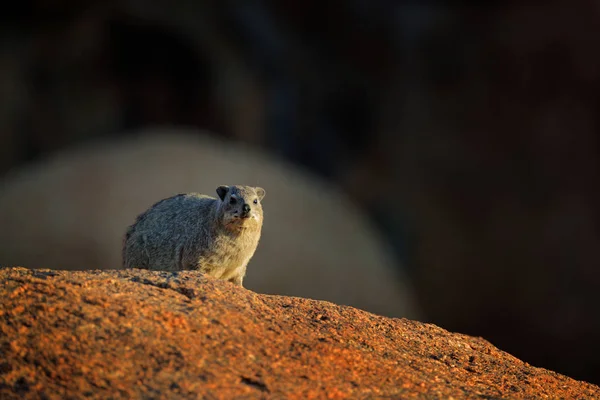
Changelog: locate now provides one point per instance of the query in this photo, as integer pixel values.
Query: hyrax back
(216, 236)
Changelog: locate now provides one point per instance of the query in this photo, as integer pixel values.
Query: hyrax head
(241, 205)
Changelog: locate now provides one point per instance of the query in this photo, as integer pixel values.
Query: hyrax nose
(245, 209)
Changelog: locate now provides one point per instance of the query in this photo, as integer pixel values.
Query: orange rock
(144, 334)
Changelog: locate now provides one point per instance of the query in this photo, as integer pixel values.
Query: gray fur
(217, 236)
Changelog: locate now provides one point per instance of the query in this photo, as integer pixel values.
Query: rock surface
(141, 334)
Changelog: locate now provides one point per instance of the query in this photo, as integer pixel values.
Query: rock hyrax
(197, 232)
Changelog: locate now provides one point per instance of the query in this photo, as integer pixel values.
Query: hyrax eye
(232, 200)
(255, 201)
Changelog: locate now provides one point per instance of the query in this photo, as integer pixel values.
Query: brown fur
(196, 232)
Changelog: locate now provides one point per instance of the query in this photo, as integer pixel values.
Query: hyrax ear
(222, 192)
(260, 192)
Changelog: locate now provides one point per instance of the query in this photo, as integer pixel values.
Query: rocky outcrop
(141, 334)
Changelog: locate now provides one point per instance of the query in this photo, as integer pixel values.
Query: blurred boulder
(70, 212)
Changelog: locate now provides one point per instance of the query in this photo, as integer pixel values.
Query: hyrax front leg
(238, 276)
(238, 280)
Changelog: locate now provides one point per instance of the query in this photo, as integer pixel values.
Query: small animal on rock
(217, 236)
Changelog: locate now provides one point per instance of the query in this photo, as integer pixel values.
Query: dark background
(468, 131)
